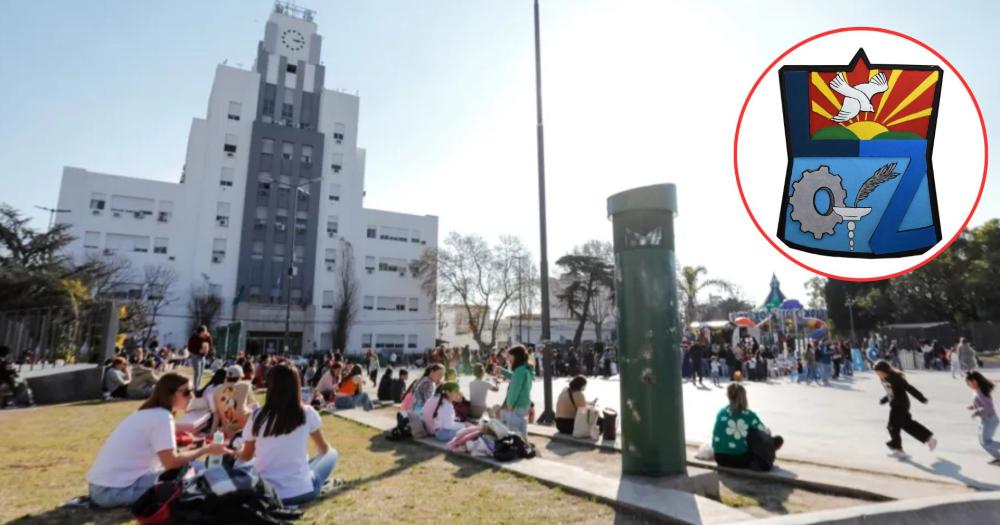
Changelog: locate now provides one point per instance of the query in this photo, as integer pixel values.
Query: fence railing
(50, 337)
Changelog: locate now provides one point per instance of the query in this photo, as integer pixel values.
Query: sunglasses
(186, 392)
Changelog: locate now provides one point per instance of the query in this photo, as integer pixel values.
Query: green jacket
(519, 390)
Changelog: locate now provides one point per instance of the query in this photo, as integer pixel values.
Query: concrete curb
(647, 499)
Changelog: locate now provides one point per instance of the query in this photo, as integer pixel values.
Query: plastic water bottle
(214, 460)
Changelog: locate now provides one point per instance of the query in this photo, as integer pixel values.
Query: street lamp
(52, 213)
(850, 312)
(548, 416)
(291, 260)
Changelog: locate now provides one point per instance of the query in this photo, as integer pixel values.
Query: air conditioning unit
(116, 214)
(109, 251)
(171, 258)
(95, 212)
(230, 154)
(217, 258)
(331, 234)
(329, 267)
(370, 270)
(163, 216)
(139, 215)
(402, 273)
(223, 221)
(279, 227)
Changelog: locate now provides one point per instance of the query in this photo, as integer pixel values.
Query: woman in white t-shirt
(143, 445)
(275, 438)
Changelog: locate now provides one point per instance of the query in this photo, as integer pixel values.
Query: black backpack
(513, 447)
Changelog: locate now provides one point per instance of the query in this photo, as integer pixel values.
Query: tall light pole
(291, 259)
(850, 312)
(52, 213)
(548, 416)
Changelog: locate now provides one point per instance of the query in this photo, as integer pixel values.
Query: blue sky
(447, 101)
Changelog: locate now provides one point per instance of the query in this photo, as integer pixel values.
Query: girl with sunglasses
(143, 445)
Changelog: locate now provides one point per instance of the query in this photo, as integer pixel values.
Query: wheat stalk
(883, 174)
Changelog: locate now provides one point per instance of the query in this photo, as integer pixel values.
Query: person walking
(695, 355)
(982, 407)
(953, 360)
(966, 355)
(373, 366)
(199, 346)
(897, 395)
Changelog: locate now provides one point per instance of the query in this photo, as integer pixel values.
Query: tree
(689, 285)
(586, 274)
(480, 277)
(816, 287)
(722, 309)
(345, 310)
(203, 306)
(158, 281)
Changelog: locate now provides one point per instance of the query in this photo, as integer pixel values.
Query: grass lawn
(47, 451)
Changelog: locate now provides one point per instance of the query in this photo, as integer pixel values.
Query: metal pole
(850, 313)
(520, 300)
(548, 416)
(291, 272)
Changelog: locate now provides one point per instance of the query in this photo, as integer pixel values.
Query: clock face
(293, 40)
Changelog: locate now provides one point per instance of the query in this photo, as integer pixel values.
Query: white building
(273, 175)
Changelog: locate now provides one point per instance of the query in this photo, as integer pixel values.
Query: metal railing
(50, 337)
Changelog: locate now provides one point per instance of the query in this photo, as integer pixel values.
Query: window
(288, 106)
(230, 145)
(287, 150)
(335, 192)
(307, 155)
(92, 240)
(338, 132)
(299, 253)
(391, 265)
(411, 341)
(257, 251)
(414, 235)
(268, 109)
(296, 295)
(331, 225)
(279, 252)
(160, 245)
(372, 232)
(390, 304)
(389, 341)
(226, 177)
(366, 340)
(369, 303)
(260, 218)
(97, 201)
(137, 206)
(284, 184)
(254, 294)
(291, 68)
(267, 146)
(331, 257)
(414, 304)
(166, 211)
(234, 110)
(222, 214)
(218, 250)
(141, 245)
(328, 299)
(337, 162)
(370, 264)
(301, 221)
(389, 233)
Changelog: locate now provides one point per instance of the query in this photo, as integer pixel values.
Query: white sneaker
(898, 454)
(932, 443)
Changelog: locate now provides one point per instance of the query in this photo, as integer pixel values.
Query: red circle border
(739, 123)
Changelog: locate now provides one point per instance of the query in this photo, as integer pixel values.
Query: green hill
(834, 133)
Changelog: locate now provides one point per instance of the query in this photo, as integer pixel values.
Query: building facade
(268, 212)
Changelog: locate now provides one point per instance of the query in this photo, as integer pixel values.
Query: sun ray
(817, 109)
(825, 90)
(912, 116)
(885, 96)
(872, 73)
(919, 90)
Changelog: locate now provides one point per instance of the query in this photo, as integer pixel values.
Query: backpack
(513, 447)
(153, 507)
(399, 433)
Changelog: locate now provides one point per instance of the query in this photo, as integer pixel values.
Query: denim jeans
(987, 431)
(321, 466)
(122, 496)
(445, 434)
(198, 364)
(516, 420)
(361, 399)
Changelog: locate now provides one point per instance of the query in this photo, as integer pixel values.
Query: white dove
(857, 98)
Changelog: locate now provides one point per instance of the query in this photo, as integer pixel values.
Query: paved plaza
(841, 425)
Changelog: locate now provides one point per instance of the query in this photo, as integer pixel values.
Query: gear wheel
(804, 208)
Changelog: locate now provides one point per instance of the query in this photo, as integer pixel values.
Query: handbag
(585, 423)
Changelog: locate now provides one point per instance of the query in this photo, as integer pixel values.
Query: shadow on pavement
(944, 467)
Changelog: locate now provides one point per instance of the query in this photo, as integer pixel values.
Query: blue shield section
(898, 218)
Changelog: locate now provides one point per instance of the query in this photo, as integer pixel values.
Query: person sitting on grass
(144, 377)
(350, 393)
(478, 390)
(327, 386)
(570, 399)
(117, 378)
(740, 439)
(398, 386)
(276, 439)
(144, 444)
(232, 403)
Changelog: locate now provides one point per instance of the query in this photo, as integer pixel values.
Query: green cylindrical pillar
(652, 407)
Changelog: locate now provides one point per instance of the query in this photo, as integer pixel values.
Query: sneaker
(932, 443)
(995, 462)
(897, 453)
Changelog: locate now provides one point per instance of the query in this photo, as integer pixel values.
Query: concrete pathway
(639, 495)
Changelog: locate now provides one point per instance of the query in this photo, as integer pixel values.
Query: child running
(983, 408)
(897, 390)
